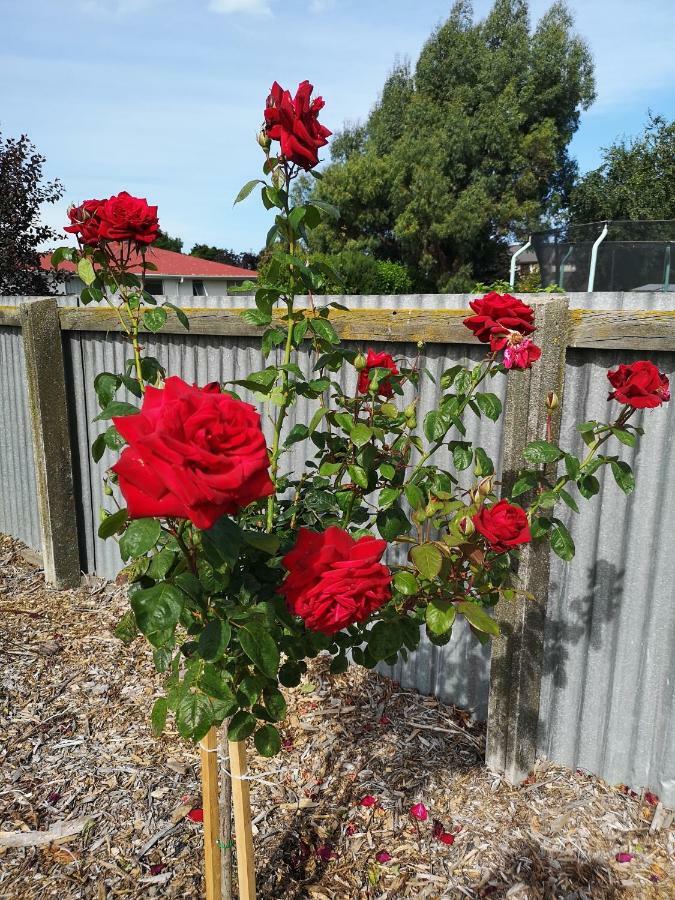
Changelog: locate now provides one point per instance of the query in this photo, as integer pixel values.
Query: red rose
(334, 580)
(639, 385)
(84, 221)
(377, 361)
(127, 218)
(521, 354)
(496, 315)
(194, 453)
(503, 525)
(294, 122)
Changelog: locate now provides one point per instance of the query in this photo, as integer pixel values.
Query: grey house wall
(608, 698)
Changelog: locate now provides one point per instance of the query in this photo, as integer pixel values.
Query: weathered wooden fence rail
(543, 688)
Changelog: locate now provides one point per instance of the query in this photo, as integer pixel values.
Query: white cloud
(252, 7)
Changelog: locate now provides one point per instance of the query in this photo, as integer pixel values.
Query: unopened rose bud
(263, 139)
(359, 362)
(485, 487)
(552, 401)
(107, 490)
(466, 526)
(409, 411)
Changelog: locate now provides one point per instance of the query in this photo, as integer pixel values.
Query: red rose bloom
(334, 580)
(377, 361)
(84, 221)
(521, 354)
(503, 526)
(294, 122)
(127, 218)
(496, 315)
(639, 385)
(194, 453)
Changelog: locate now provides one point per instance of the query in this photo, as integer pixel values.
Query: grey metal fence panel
(18, 493)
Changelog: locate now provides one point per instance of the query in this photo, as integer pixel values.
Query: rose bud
(359, 362)
(483, 489)
(466, 526)
(409, 411)
(263, 139)
(552, 401)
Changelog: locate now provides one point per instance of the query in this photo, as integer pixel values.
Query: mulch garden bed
(91, 805)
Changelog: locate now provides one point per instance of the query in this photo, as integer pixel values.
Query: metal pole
(561, 269)
(666, 270)
(512, 278)
(594, 257)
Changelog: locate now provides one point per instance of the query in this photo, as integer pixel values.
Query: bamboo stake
(225, 816)
(243, 828)
(208, 749)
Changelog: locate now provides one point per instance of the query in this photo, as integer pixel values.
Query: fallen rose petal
(383, 856)
(53, 797)
(368, 800)
(650, 798)
(446, 838)
(156, 869)
(351, 828)
(624, 857)
(196, 815)
(419, 811)
(385, 720)
(325, 852)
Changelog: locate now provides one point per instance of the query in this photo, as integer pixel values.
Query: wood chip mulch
(92, 806)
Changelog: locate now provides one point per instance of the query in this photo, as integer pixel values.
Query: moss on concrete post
(45, 375)
(517, 654)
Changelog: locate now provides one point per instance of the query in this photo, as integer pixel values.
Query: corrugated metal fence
(608, 697)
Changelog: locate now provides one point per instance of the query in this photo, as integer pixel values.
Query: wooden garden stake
(208, 749)
(243, 829)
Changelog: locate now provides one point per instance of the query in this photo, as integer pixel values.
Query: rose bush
(239, 568)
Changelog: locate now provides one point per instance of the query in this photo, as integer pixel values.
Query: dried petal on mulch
(77, 753)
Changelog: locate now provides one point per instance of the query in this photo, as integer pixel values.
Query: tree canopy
(245, 260)
(22, 193)
(464, 149)
(634, 181)
(164, 241)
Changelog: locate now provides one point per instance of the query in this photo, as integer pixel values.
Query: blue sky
(163, 97)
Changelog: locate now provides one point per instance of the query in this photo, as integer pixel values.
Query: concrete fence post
(45, 374)
(517, 654)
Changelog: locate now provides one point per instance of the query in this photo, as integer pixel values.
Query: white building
(176, 275)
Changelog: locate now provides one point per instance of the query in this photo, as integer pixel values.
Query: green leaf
(331, 211)
(268, 543)
(140, 536)
(568, 499)
(112, 524)
(406, 583)
(490, 405)
(360, 434)
(290, 674)
(387, 471)
(436, 425)
(588, 486)
(297, 433)
(85, 271)
(541, 452)
(246, 190)
(154, 319)
(440, 616)
(98, 448)
(193, 716)
(160, 708)
(393, 522)
(572, 466)
(260, 647)
(157, 610)
(428, 560)
(561, 541)
(242, 725)
(384, 639)
(222, 542)
(414, 496)
(160, 564)
(626, 437)
(526, 482)
(214, 685)
(214, 639)
(358, 476)
(180, 315)
(623, 475)
(388, 496)
(462, 455)
(105, 387)
(323, 329)
(477, 617)
(126, 629)
(275, 703)
(463, 381)
(483, 464)
(116, 408)
(267, 741)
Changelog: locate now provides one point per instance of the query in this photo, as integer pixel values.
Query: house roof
(171, 264)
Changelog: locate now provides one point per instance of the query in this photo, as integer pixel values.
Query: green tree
(634, 181)
(465, 149)
(248, 259)
(164, 241)
(22, 194)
